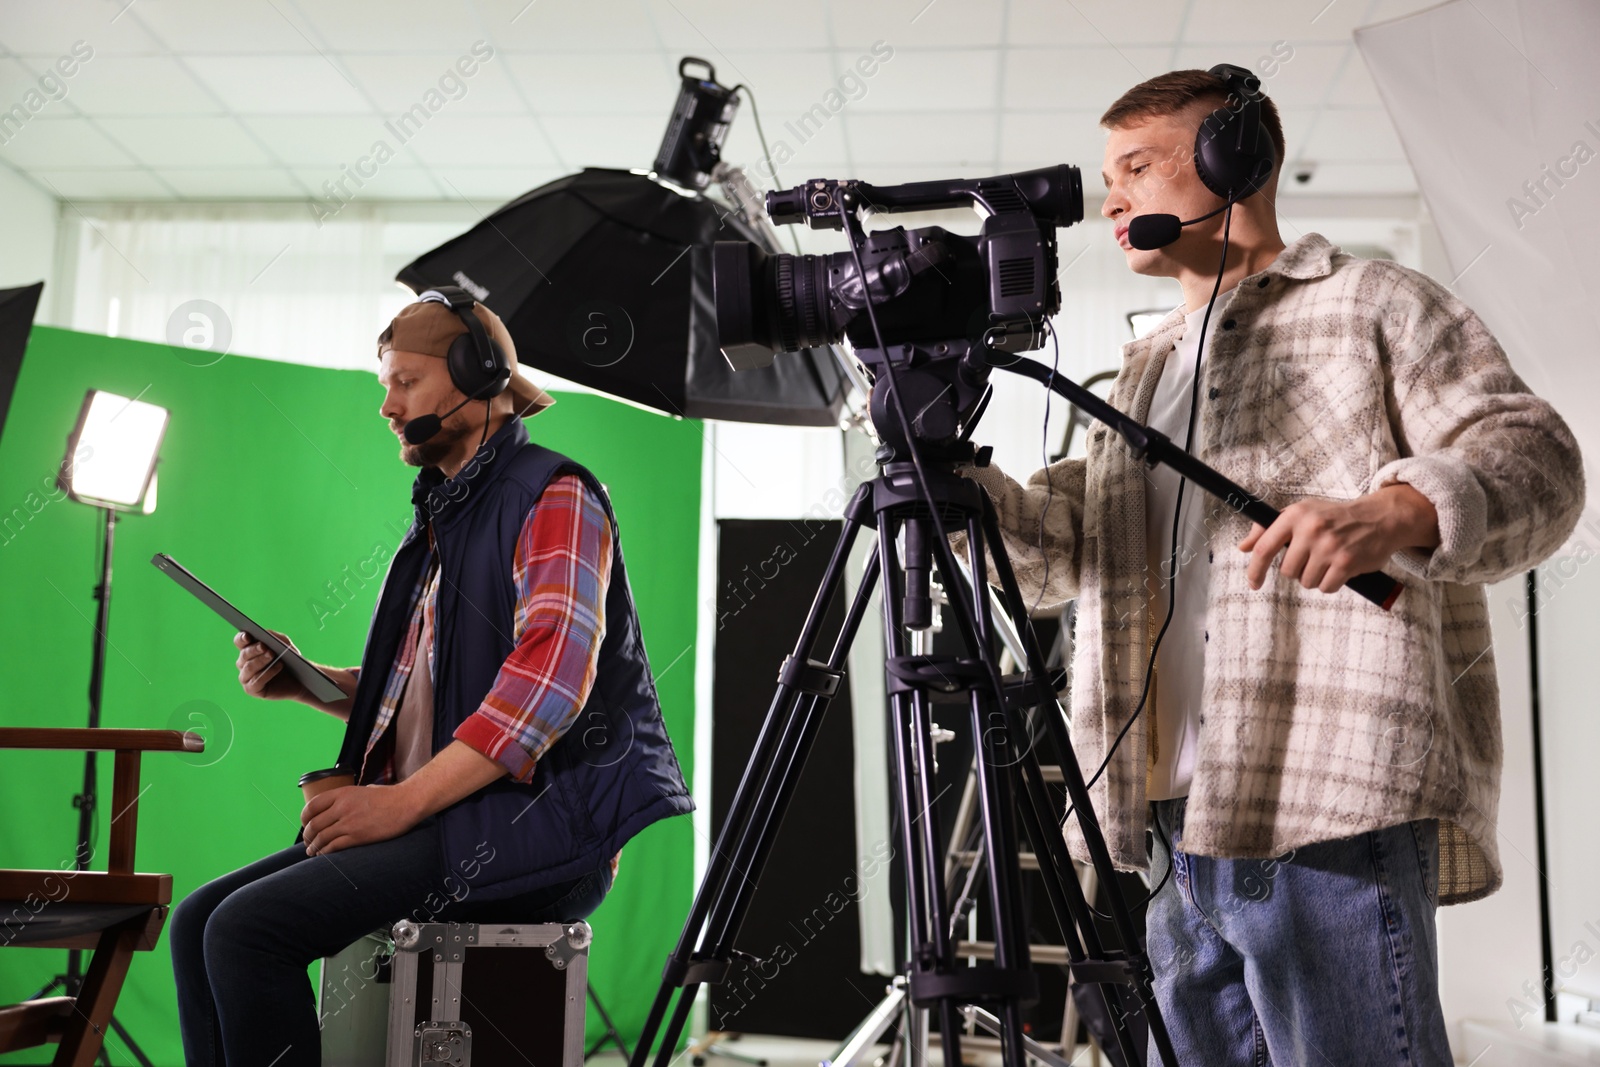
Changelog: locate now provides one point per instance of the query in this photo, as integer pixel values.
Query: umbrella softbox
(604, 278)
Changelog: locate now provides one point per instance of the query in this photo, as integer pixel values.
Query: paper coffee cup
(314, 782)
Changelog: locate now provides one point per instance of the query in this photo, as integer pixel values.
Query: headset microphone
(1233, 155)
(478, 366)
(423, 427)
(1148, 232)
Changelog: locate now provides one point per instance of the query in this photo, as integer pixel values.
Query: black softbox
(604, 278)
(17, 307)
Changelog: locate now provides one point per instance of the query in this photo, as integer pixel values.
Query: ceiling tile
(275, 85)
(1355, 135)
(1354, 86)
(577, 25)
(606, 140)
(929, 80)
(398, 83)
(398, 26)
(391, 182)
(790, 84)
(596, 83)
(1299, 75)
(1094, 23)
(233, 182)
(46, 31)
(139, 85)
(809, 148)
(1089, 78)
(881, 138)
(197, 27)
(103, 183)
(469, 140)
(708, 27)
(966, 88)
(187, 142)
(49, 143)
(1038, 138)
(1258, 23)
(1384, 10)
(917, 23)
(487, 188)
(320, 140)
(16, 80)
(896, 173)
(1360, 178)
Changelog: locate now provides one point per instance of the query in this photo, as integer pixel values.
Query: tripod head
(944, 389)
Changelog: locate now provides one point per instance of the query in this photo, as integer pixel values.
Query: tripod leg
(763, 794)
(929, 951)
(1066, 895)
(1073, 913)
(612, 1033)
(127, 1039)
(1078, 793)
(764, 828)
(992, 743)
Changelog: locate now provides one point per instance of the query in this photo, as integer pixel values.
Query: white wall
(27, 237)
(1569, 589)
(1488, 948)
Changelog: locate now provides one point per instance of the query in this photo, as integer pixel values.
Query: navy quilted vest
(611, 774)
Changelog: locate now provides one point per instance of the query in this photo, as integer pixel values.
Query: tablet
(320, 685)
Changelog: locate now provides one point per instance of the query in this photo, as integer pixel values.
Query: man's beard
(430, 452)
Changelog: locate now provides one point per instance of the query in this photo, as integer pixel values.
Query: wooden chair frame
(79, 1023)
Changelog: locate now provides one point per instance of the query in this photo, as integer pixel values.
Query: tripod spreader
(1155, 447)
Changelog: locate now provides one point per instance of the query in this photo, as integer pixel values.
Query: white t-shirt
(1181, 660)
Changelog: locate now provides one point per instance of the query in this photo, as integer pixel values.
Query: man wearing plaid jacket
(1320, 774)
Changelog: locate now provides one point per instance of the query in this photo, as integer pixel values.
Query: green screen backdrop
(279, 485)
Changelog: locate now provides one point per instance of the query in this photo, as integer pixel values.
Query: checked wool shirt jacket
(1323, 716)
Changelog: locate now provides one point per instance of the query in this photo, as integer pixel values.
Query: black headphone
(478, 366)
(1233, 153)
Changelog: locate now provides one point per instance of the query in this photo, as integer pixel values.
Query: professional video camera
(938, 302)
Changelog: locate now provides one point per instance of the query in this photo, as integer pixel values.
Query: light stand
(123, 480)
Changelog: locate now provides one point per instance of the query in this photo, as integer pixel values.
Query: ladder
(962, 864)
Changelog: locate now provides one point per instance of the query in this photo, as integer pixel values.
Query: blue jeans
(1323, 957)
(241, 944)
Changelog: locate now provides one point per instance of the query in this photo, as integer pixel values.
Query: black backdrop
(803, 923)
(803, 920)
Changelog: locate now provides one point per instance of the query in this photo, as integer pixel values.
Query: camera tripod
(1010, 781)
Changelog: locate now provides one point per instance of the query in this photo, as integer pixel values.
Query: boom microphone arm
(1155, 447)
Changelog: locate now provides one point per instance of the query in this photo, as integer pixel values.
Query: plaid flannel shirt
(561, 571)
(1322, 715)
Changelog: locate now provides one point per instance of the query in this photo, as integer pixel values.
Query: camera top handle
(1052, 194)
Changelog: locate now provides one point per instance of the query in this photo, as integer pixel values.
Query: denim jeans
(1323, 957)
(241, 944)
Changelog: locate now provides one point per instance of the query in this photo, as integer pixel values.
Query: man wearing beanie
(505, 619)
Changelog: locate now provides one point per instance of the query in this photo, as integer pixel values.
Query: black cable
(1172, 558)
(1172, 587)
(1044, 454)
(766, 153)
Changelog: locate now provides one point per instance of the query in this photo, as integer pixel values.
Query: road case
(459, 995)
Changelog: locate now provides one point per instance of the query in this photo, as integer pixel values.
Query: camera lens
(768, 304)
